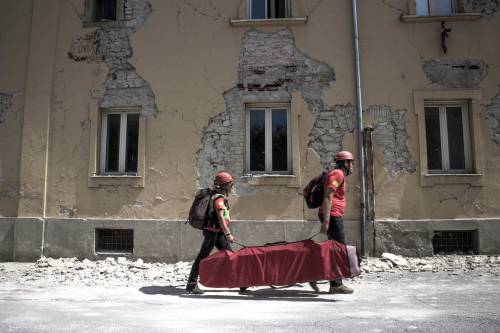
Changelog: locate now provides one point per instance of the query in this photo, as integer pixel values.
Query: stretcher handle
(243, 246)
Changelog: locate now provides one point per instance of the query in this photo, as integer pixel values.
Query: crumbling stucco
(390, 135)
(467, 73)
(493, 113)
(5, 106)
(394, 237)
(111, 43)
(485, 7)
(329, 129)
(270, 69)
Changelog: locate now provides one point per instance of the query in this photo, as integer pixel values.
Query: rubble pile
(440, 263)
(122, 271)
(111, 271)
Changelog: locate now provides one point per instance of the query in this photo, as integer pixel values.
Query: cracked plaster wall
(390, 135)
(493, 113)
(111, 43)
(485, 7)
(465, 73)
(270, 69)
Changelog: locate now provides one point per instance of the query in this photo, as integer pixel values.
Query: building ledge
(122, 180)
(267, 22)
(273, 180)
(473, 179)
(440, 18)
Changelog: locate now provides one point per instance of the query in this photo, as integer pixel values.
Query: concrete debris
(396, 260)
(123, 271)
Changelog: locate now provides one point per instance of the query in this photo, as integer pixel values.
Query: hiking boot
(314, 286)
(340, 289)
(193, 289)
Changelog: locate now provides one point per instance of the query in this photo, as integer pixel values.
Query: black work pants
(336, 233)
(211, 239)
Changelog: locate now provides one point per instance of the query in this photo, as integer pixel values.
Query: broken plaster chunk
(395, 259)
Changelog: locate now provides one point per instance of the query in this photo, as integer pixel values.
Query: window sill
(429, 180)
(107, 24)
(272, 180)
(266, 22)
(133, 181)
(440, 18)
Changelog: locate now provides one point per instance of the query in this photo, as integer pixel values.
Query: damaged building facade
(114, 112)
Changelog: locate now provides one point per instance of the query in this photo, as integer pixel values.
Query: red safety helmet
(344, 155)
(223, 178)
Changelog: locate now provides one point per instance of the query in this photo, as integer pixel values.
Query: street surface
(382, 302)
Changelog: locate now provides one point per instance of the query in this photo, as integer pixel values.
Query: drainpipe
(359, 112)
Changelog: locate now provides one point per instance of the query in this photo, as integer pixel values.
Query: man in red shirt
(216, 233)
(332, 210)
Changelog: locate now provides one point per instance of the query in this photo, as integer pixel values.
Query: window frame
(95, 179)
(123, 143)
(432, 7)
(268, 134)
(89, 16)
(445, 158)
(288, 11)
(473, 98)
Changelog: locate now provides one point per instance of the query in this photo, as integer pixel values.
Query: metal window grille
(454, 242)
(114, 240)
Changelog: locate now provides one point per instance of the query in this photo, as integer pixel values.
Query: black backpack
(201, 212)
(198, 213)
(314, 191)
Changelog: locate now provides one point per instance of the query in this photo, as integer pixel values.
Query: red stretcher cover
(282, 264)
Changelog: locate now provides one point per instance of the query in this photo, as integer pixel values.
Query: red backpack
(314, 191)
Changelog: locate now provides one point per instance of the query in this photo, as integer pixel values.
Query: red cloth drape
(278, 265)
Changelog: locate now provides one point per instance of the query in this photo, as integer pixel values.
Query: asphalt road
(387, 302)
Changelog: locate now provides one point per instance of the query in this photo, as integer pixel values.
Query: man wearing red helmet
(216, 233)
(332, 210)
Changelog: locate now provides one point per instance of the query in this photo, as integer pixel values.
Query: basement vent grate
(114, 240)
(454, 242)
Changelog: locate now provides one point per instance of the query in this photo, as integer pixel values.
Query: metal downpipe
(359, 113)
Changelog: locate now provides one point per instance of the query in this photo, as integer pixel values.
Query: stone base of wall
(413, 238)
(26, 239)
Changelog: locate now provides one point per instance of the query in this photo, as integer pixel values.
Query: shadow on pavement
(272, 294)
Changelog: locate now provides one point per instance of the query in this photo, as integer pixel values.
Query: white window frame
(270, 16)
(123, 142)
(430, 7)
(268, 133)
(445, 158)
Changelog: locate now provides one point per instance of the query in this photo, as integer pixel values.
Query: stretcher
(279, 264)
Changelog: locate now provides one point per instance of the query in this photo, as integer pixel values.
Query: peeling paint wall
(493, 114)
(270, 68)
(485, 7)
(468, 73)
(5, 106)
(391, 136)
(123, 85)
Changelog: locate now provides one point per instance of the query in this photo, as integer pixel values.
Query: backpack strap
(212, 218)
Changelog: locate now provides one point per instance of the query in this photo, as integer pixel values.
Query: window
(268, 140)
(436, 7)
(448, 138)
(268, 9)
(114, 240)
(119, 143)
(102, 11)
